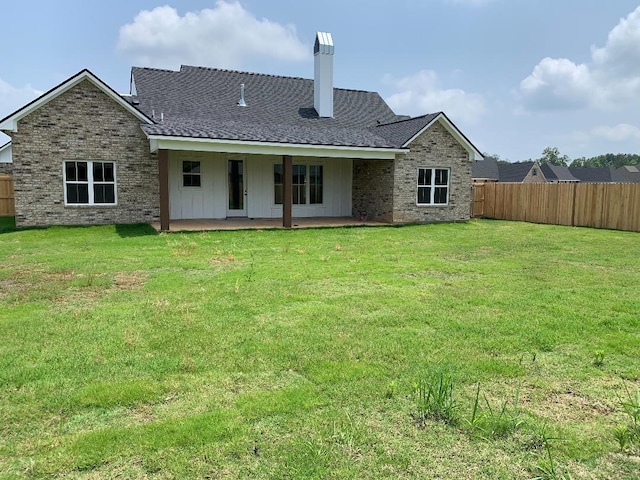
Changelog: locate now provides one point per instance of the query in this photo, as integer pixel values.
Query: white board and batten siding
(210, 200)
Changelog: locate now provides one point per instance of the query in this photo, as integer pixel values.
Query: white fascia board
(159, 142)
(473, 152)
(11, 122)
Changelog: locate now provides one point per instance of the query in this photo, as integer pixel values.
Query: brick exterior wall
(373, 189)
(82, 123)
(537, 178)
(436, 147)
(6, 168)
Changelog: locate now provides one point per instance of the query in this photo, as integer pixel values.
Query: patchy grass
(298, 354)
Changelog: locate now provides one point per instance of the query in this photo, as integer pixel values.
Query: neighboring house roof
(557, 173)
(6, 153)
(514, 172)
(592, 174)
(627, 174)
(486, 169)
(10, 123)
(202, 103)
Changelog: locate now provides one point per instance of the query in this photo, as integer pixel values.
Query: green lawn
(301, 354)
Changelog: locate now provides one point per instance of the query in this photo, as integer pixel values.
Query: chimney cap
(323, 44)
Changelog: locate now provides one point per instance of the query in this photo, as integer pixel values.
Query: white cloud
(421, 93)
(622, 136)
(622, 132)
(225, 36)
(12, 98)
(609, 81)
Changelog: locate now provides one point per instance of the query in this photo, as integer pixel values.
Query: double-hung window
(191, 175)
(433, 186)
(307, 184)
(89, 183)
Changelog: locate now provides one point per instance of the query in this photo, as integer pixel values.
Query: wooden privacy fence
(600, 205)
(7, 202)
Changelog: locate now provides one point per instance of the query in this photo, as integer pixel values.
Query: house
(203, 143)
(557, 174)
(485, 171)
(627, 174)
(6, 159)
(490, 170)
(524, 172)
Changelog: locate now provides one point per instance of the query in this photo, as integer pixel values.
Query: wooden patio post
(163, 170)
(287, 187)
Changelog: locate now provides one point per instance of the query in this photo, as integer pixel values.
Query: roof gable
(406, 131)
(10, 123)
(515, 172)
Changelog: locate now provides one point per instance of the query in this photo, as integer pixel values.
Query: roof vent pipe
(323, 74)
(241, 102)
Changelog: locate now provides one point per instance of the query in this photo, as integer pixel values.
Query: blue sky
(515, 75)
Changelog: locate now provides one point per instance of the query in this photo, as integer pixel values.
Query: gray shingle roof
(514, 172)
(557, 172)
(202, 103)
(401, 131)
(626, 174)
(485, 169)
(592, 174)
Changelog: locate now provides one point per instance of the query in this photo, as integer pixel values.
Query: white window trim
(182, 174)
(433, 186)
(307, 183)
(90, 183)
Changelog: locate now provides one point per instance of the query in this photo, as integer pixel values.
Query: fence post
(573, 205)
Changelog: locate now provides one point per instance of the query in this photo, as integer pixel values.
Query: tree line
(553, 156)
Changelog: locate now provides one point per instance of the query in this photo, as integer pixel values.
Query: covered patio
(200, 225)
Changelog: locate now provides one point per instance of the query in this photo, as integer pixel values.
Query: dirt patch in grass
(129, 280)
(571, 406)
(64, 287)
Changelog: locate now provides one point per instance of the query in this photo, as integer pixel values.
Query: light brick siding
(537, 178)
(82, 123)
(435, 148)
(373, 189)
(6, 168)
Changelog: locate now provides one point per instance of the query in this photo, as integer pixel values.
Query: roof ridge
(230, 70)
(156, 69)
(408, 119)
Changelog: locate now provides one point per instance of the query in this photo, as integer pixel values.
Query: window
(89, 183)
(299, 187)
(315, 184)
(307, 185)
(433, 186)
(190, 174)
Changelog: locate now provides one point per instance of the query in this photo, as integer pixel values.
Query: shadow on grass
(7, 224)
(135, 230)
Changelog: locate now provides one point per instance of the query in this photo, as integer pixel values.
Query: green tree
(552, 155)
(494, 156)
